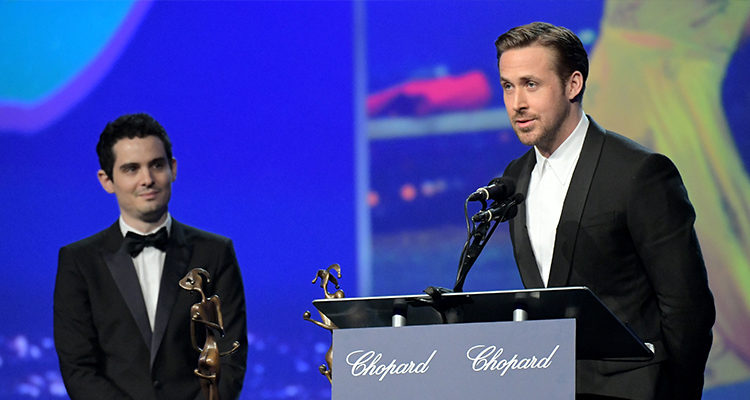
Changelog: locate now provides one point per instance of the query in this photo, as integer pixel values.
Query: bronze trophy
(327, 277)
(206, 314)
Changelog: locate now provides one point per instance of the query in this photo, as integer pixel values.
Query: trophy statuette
(206, 314)
(327, 277)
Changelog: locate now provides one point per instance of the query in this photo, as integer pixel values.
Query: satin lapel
(524, 253)
(121, 268)
(575, 200)
(175, 267)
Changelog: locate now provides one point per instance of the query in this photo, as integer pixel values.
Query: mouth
(524, 122)
(149, 195)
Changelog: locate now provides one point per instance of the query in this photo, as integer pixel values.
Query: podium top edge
(453, 294)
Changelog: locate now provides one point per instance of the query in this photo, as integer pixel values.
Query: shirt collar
(563, 160)
(125, 228)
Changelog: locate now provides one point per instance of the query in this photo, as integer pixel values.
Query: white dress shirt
(548, 187)
(149, 265)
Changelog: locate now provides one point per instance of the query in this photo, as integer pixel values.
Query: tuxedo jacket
(103, 338)
(626, 232)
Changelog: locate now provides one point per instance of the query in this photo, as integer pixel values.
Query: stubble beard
(153, 212)
(153, 215)
(545, 139)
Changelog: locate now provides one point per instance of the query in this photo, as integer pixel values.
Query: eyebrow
(135, 164)
(524, 78)
(158, 159)
(128, 165)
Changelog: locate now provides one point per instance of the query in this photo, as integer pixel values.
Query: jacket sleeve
(228, 285)
(661, 221)
(76, 337)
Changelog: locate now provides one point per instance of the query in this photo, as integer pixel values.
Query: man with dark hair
(121, 321)
(604, 212)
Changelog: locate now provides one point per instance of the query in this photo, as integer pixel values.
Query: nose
(147, 178)
(519, 101)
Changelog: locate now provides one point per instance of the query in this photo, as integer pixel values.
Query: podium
(466, 345)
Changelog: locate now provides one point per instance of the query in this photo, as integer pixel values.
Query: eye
(507, 86)
(159, 164)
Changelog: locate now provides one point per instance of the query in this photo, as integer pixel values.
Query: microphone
(503, 211)
(498, 189)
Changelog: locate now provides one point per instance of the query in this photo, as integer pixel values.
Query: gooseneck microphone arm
(504, 208)
(478, 238)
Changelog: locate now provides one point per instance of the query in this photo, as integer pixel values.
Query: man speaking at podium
(604, 212)
(121, 322)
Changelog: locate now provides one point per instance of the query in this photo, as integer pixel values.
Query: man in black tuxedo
(121, 322)
(604, 212)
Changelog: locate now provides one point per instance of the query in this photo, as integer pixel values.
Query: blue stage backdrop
(314, 133)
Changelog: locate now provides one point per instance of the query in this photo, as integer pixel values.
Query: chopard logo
(368, 363)
(487, 358)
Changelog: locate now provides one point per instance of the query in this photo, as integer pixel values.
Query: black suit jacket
(102, 333)
(626, 231)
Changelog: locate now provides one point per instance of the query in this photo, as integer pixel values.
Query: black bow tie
(136, 243)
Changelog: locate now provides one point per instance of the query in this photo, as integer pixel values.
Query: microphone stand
(478, 238)
(480, 234)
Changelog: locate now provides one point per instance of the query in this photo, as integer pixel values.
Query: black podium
(599, 333)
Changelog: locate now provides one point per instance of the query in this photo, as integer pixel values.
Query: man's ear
(104, 180)
(173, 164)
(575, 85)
